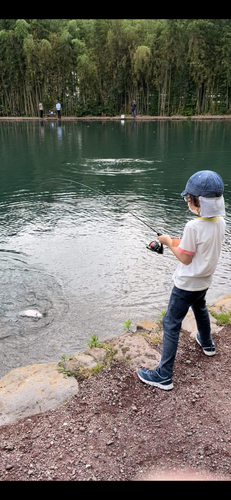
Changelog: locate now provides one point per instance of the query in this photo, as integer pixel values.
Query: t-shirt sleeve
(188, 243)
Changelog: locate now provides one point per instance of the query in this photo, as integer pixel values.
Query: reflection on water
(69, 246)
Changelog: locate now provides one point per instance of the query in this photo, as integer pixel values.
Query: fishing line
(117, 203)
(155, 246)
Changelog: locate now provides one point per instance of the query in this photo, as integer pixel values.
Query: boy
(198, 253)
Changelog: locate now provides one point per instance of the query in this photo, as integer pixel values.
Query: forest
(99, 66)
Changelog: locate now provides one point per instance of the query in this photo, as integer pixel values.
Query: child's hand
(165, 239)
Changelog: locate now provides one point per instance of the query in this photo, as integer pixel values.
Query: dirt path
(117, 428)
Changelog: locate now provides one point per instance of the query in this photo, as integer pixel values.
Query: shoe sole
(156, 384)
(207, 353)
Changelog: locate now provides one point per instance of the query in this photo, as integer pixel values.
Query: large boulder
(33, 389)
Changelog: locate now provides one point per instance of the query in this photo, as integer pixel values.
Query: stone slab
(33, 389)
(134, 350)
(145, 325)
(222, 305)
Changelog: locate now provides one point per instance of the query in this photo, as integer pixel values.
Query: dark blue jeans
(179, 303)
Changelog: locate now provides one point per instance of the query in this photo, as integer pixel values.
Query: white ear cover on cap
(212, 207)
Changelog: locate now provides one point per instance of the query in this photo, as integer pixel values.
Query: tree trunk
(147, 99)
(164, 91)
(159, 102)
(169, 86)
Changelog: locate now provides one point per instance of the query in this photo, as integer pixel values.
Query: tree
(141, 70)
(170, 66)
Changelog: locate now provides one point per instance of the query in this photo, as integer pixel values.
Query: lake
(69, 246)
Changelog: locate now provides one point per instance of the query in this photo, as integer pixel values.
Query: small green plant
(155, 340)
(163, 314)
(126, 325)
(97, 369)
(161, 317)
(64, 357)
(61, 366)
(94, 342)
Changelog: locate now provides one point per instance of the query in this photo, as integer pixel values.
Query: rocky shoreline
(29, 390)
(112, 427)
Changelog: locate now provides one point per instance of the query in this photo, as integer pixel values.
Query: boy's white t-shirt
(202, 238)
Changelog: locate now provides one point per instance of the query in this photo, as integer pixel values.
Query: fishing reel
(156, 246)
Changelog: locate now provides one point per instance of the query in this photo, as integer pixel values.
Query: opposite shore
(119, 117)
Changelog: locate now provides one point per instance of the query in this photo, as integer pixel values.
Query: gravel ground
(117, 428)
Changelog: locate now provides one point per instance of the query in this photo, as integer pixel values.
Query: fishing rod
(154, 246)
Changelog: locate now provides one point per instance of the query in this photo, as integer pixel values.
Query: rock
(33, 389)
(9, 447)
(145, 325)
(97, 353)
(222, 305)
(87, 360)
(75, 361)
(134, 349)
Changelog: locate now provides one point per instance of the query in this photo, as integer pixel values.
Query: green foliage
(97, 369)
(126, 325)
(94, 341)
(21, 28)
(161, 317)
(95, 66)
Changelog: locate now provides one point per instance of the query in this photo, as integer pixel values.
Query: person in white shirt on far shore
(58, 108)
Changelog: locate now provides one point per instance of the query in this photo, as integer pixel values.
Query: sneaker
(209, 351)
(152, 377)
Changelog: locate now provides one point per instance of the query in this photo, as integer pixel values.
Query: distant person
(40, 109)
(58, 107)
(134, 109)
